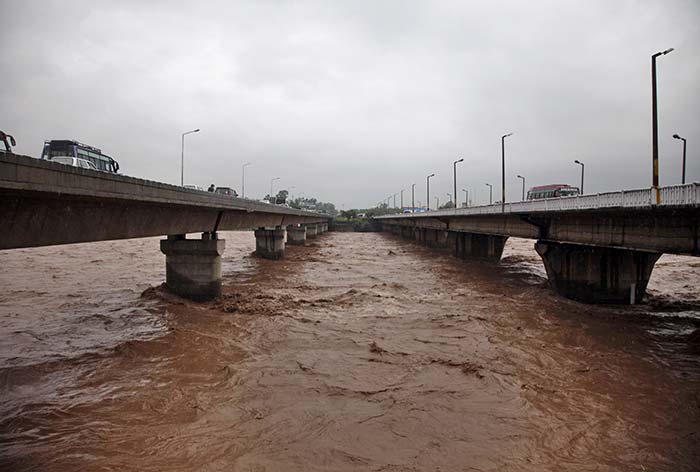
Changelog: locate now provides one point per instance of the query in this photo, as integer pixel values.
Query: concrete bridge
(45, 203)
(597, 248)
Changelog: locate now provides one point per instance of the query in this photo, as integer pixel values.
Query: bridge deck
(45, 203)
(686, 196)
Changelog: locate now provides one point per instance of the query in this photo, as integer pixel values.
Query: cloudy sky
(351, 101)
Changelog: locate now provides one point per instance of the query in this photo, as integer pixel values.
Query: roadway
(46, 203)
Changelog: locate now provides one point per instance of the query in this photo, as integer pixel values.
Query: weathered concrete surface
(45, 203)
(193, 266)
(269, 243)
(311, 231)
(663, 229)
(597, 275)
(296, 235)
(468, 246)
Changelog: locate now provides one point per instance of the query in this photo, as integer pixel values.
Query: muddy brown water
(360, 351)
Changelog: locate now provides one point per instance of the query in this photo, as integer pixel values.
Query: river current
(360, 351)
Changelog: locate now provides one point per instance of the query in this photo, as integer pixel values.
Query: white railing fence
(674, 195)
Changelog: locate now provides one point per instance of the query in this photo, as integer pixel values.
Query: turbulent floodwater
(360, 351)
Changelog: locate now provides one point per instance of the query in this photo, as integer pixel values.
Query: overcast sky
(351, 101)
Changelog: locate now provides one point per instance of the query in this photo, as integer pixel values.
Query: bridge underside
(36, 219)
(605, 256)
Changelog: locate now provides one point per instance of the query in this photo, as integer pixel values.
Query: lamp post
(243, 177)
(675, 136)
(182, 156)
(582, 168)
(449, 196)
(413, 198)
(503, 171)
(454, 168)
(427, 180)
(655, 127)
(437, 203)
(394, 199)
(490, 193)
(466, 197)
(521, 177)
(402, 200)
(272, 181)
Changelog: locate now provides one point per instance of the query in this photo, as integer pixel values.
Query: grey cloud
(352, 101)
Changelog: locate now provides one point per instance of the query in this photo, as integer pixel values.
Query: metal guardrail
(674, 195)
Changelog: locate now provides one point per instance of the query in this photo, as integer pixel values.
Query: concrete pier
(476, 246)
(193, 266)
(594, 274)
(311, 231)
(269, 243)
(296, 235)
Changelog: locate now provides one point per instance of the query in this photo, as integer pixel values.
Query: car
(226, 191)
(194, 187)
(74, 161)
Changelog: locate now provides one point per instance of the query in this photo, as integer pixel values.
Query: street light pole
(582, 168)
(427, 180)
(675, 136)
(466, 197)
(655, 128)
(271, 182)
(394, 199)
(449, 195)
(437, 203)
(243, 178)
(413, 198)
(503, 171)
(402, 199)
(521, 177)
(490, 194)
(182, 156)
(454, 166)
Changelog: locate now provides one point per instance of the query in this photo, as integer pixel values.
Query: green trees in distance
(311, 204)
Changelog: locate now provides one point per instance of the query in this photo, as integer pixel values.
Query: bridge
(598, 248)
(46, 203)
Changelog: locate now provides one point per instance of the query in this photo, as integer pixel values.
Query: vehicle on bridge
(226, 191)
(552, 191)
(8, 140)
(193, 187)
(75, 162)
(64, 147)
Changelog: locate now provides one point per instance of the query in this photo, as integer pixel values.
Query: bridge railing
(674, 195)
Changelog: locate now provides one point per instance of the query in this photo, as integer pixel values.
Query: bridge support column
(296, 235)
(269, 243)
(311, 231)
(407, 232)
(594, 274)
(436, 238)
(193, 266)
(476, 246)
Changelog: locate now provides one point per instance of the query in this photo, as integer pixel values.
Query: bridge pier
(296, 235)
(594, 274)
(193, 266)
(269, 243)
(311, 231)
(477, 246)
(435, 238)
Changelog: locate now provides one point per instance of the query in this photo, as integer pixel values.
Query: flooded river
(361, 351)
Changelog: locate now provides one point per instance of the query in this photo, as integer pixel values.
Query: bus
(552, 191)
(65, 147)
